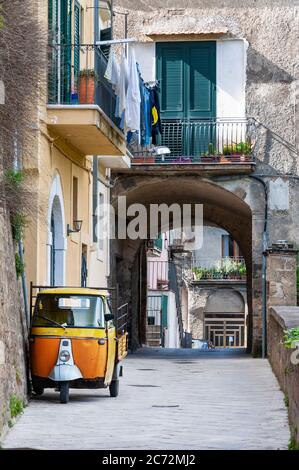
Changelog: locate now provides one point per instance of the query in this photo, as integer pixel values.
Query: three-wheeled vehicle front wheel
(64, 392)
(114, 388)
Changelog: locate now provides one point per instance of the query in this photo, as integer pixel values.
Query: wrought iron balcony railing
(76, 76)
(203, 269)
(193, 141)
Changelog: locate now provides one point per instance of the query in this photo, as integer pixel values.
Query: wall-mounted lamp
(77, 225)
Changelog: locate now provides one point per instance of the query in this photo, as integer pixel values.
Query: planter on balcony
(208, 158)
(86, 87)
(144, 160)
(223, 159)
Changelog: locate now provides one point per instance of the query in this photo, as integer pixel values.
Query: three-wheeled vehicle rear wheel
(114, 388)
(64, 392)
(38, 391)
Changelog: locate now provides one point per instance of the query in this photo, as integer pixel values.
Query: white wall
(211, 248)
(231, 77)
(99, 256)
(172, 331)
(145, 54)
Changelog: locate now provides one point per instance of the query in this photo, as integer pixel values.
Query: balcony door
(60, 60)
(187, 75)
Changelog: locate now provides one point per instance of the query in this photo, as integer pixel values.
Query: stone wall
(270, 29)
(287, 373)
(12, 328)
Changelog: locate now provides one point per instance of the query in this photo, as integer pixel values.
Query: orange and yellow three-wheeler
(75, 340)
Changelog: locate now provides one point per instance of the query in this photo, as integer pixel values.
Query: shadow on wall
(260, 69)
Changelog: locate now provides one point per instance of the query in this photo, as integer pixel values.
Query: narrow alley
(169, 399)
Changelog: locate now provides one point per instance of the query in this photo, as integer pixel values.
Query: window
(187, 74)
(101, 221)
(230, 247)
(75, 198)
(74, 311)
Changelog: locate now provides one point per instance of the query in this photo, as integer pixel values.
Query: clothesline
(137, 101)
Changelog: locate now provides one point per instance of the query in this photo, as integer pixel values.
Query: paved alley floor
(169, 399)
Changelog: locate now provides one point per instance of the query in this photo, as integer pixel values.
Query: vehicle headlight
(64, 356)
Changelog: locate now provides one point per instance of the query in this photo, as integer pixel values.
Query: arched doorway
(56, 246)
(225, 319)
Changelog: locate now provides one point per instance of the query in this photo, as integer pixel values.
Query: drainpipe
(94, 198)
(264, 268)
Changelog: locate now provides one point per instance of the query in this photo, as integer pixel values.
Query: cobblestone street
(169, 399)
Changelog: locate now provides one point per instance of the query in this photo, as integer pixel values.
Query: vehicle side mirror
(109, 317)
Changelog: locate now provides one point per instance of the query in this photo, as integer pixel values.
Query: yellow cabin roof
(74, 291)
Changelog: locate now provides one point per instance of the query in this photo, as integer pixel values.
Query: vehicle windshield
(74, 311)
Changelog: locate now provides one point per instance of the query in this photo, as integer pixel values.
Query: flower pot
(223, 159)
(143, 160)
(86, 89)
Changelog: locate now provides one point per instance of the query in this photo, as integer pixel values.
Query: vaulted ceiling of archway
(220, 206)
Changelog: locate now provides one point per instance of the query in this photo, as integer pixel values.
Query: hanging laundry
(133, 99)
(155, 112)
(112, 71)
(145, 115)
(121, 88)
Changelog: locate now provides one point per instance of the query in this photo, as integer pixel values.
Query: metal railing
(154, 310)
(157, 275)
(198, 269)
(192, 141)
(76, 75)
(121, 321)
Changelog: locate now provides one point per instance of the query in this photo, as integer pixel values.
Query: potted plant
(217, 273)
(242, 271)
(209, 273)
(86, 86)
(196, 274)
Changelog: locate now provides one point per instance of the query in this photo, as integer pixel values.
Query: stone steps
(153, 335)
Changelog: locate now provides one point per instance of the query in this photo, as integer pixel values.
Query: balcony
(81, 104)
(211, 270)
(157, 275)
(215, 145)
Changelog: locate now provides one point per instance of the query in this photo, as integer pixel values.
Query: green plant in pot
(242, 270)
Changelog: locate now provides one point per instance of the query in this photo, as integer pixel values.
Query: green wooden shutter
(77, 39)
(170, 71)
(187, 75)
(201, 75)
(164, 305)
(158, 243)
(53, 55)
(66, 50)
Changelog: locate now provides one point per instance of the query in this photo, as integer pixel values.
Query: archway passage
(57, 261)
(228, 207)
(56, 243)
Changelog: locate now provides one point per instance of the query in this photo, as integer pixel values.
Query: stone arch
(230, 203)
(56, 240)
(225, 300)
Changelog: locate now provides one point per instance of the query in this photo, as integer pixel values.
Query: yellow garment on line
(155, 115)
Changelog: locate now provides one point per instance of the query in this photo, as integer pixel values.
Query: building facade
(76, 144)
